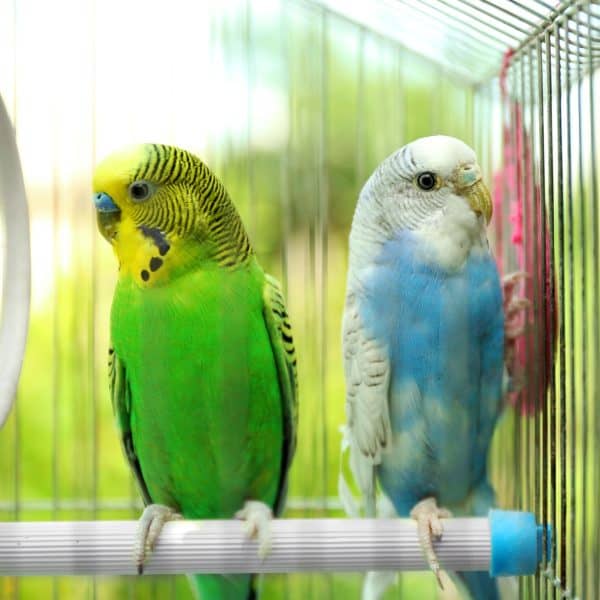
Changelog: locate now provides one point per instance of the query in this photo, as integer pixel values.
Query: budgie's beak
(108, 215)
(470, 185)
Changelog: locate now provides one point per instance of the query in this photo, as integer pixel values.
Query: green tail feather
(223, 587)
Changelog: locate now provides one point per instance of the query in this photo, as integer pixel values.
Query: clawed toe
(510, 281)
(428, 516)
(257, 516)
(514, 332)
(516, 305)
(149, 527)
(515, 308)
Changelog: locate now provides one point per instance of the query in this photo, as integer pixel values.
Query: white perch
(106, 547)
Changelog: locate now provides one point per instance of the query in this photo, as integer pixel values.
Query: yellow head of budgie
(154, 201)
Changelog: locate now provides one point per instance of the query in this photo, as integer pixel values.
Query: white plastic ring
(16, 265)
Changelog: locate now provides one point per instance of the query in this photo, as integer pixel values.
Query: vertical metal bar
(92, 314)
(311, 326)
(551, 426)
(535, 229)
(583, 413)
(400, 586)
(252, 217)
(525, 207)
(543, 438)
(560, 430)
(74, 413)
(435, 116)
(14, 65)
(594, 201)
(531, 225)
(475, 90)
(228, 62)
(570, 579)
(215, 57)
(323, 212)
(468, 109)
(56, 322)
(360, 111)
(323, 220)
(515, 98)
(285, 222)
(17, 475)
(515, 134)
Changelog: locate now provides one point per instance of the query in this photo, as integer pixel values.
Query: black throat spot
(155, 263)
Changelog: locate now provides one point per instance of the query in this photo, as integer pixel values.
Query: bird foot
(514, 326)
(257, 516)
(515, 308)
(513, 305)
(427, 514)
(149, 527)
(510, 281)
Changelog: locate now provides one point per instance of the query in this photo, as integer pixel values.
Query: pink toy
(530, 347)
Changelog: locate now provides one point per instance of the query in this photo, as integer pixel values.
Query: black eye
(140, 191)
(426, 181)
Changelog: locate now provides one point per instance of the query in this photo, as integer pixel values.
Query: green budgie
(202, 365)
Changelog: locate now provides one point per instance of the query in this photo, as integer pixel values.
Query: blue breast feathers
(444, 332)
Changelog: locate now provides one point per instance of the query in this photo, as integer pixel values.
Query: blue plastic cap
(519, 544)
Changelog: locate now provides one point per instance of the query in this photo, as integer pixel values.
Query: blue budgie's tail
(223, 587)
(480, 585)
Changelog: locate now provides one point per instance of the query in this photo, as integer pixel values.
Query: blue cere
(104, 203)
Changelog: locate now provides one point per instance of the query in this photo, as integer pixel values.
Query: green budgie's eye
(140, 191)
(427, 180)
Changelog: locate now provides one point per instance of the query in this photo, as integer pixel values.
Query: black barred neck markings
(158, 237)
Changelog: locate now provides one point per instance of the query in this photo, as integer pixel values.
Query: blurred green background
(292, 107)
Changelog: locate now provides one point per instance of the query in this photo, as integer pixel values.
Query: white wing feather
(367, 368)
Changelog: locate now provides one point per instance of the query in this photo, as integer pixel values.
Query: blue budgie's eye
(426, 181)
(140, 191)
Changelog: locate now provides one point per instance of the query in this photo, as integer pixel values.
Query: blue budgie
(423, 340)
